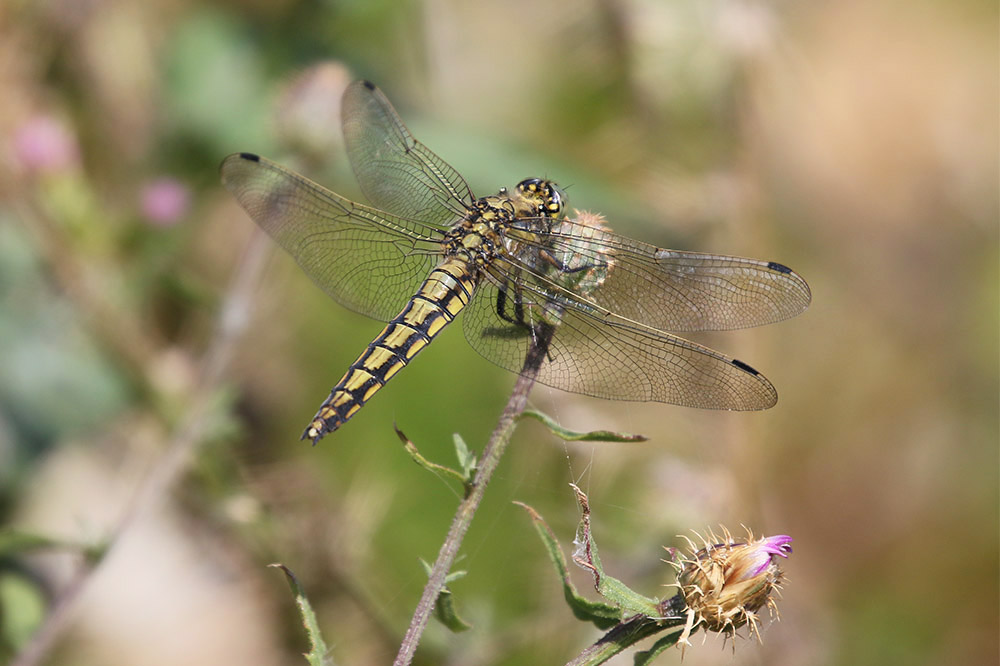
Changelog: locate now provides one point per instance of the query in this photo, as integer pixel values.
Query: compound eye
(530, 185)
(555, 201)
(547, 196)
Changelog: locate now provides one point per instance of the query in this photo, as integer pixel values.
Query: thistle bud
(728, 580)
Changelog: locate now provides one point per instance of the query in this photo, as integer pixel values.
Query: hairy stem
(490, 459)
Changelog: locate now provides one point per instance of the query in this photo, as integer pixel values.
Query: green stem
(620, 639)
(467, 508)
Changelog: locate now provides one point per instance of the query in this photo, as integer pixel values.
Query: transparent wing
(364, 259)
(396, 172)
(597, 353)
(678, 291)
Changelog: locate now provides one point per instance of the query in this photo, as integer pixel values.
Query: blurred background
(159, 359)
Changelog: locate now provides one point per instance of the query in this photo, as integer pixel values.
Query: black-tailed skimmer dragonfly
(525, 273)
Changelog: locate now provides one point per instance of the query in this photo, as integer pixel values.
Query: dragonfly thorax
(498, 223)
(477, 236)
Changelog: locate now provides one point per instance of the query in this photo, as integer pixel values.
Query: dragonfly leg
(501, 307)
(541, 338)
(541, 332)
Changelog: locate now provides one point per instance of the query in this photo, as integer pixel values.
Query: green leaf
(427, 464)
(466, 458)
(646, 657)
(444, 611)
(13, 542)
(623, 636)
(573, 436)
(23, 605)
(318, 654)
(444, 607)
(601, 615)
(612, 589)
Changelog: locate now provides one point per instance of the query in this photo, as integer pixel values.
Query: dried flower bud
(728, 580)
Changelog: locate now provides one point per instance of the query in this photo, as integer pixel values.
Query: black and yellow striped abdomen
(436, 304)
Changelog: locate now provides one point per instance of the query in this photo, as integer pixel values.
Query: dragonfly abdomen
(445, 292)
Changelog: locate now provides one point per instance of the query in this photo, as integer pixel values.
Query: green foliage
(318, 654)
(602, 615)
(573, 436)
(631, 616)
(613, 590)
(444, 608)
(22, 609)
(213, 70)
(644, 657)
(466, 459)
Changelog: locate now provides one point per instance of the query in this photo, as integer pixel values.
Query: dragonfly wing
(363, 258)
(396, 172)
(680, 291)
(597, 353)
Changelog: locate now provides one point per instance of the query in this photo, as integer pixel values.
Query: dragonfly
(525, 274)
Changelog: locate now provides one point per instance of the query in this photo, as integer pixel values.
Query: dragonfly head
(544, 194)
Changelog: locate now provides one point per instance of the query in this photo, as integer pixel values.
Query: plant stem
(635, 629)
(618, 640)
(491, 456)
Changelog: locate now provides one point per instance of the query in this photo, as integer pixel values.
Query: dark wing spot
(250, 157)
(368, 84)
(781, 268)
(743, 366)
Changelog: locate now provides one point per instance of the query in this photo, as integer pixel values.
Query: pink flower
(44, 145)
(164, 201)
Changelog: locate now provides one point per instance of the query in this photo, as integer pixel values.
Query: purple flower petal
(778, 545)
(767, 548)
